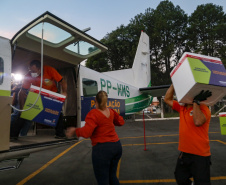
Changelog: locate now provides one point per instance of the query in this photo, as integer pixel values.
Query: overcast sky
(102, 16)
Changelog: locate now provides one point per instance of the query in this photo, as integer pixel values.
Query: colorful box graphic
(195, 73)
(222, 117)
(47, 109)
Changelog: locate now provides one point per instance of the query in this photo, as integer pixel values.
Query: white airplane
(64, 47)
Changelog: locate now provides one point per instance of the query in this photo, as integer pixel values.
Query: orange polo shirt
(50, 77)
(99, 128)
(193, 139)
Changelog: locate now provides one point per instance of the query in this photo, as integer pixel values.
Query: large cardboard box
(195, 73)
(47, 109)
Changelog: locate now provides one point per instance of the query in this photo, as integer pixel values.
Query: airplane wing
(155, 91)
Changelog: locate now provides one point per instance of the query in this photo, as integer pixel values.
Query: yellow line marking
(159, 136)
(146, 181)
(148, 136)
(219, 141)
(218, 178)
(150, 144)
(118, 168)
(167, 143)
(163, 180)
(47, 164)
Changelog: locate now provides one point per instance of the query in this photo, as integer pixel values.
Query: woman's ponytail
(101, 99)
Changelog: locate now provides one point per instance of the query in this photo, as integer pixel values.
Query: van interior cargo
(62, 47)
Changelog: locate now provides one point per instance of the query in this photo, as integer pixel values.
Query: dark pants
(59, 129)
(20, 123)
(21, 128)
(17, 126)
(189, 165)
(105, 157)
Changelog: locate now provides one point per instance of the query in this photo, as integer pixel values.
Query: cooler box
(196, 72)
(47, 109)
(222, 116)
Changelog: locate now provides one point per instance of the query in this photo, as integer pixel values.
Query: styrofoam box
(195, 73)
(47, 109)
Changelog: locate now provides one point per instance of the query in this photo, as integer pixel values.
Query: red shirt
(193, 139)
(50, 75)
(99, 128)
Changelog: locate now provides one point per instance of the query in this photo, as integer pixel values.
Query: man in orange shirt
(194, 159)
(50, 77)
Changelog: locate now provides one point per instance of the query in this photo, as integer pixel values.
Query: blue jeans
(105, 158)
(23, 130)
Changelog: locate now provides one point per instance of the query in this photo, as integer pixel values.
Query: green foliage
(171, 33)
(166, 33)
(121, 51)
(206, 31)
(98, 63)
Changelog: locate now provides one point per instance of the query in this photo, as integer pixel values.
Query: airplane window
(82, 48)
(52, 33)
(90, 87)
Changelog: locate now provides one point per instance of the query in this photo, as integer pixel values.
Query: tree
(206, 31)
(98, 63)
(120, 51)
(171, 33)
(167, 39)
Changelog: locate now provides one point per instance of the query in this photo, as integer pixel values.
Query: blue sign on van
(88, 103)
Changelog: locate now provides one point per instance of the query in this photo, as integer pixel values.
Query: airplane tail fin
(140, 74)
(141, 65)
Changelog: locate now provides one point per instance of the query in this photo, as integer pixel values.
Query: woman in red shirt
(107, 149)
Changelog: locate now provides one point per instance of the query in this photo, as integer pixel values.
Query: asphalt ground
(71, 164)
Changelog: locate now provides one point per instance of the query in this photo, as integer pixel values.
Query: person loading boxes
(50, 77)
(194, 158)
(198, 81)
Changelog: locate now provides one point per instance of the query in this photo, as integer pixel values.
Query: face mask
(34, 75)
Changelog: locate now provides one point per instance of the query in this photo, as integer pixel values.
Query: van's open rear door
(62, 41)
